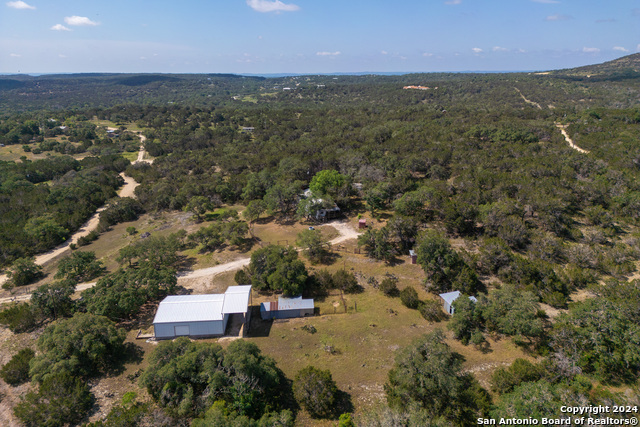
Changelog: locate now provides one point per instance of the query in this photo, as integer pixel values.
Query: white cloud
(638, 48)
(384, 52)
(476, 50)
(546, 1)
(590, 50)
(265, 6)
(453, 2)
(14, 55)
(81, 21)
(557, 18)
(60, 27)
(500, 49)
(19, 5)
(620, 49)
(427, 54)
(62, 56)
(328, 53)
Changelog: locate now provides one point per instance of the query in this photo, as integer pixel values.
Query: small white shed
(448, 299)
(286, 308)
(200, 315)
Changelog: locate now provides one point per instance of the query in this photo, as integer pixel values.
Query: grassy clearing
(358, 346)
(133, 127)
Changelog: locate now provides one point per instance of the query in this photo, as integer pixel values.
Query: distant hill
(627, 67)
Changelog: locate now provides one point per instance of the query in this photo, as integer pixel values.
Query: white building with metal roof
(448, 299)
(286, 308)
(200, 315)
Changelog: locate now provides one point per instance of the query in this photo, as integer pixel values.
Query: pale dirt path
(343, 227)
(569, 140)
(535, 104)
(127, 190)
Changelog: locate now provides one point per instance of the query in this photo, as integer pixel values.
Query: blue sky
(312, 36)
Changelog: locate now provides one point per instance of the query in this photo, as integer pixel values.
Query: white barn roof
(190, 308)
(450, 297)
(203, 308)
(294, 303)
(236, 299)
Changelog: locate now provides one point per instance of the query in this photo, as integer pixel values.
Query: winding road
(127, 190)
(569, 140)
(343, 227)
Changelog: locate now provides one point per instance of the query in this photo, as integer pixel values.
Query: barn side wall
(167, 330)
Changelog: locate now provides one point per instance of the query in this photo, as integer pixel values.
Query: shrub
(16, 371)
(61, 400)
(316, 391)
(431, 310)
(85, 240)
(19, 318)
(23, 271)
(409, 297)
(521, 371)
(342, 279)
(389, 286)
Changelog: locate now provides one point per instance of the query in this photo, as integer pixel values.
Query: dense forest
(473, 173)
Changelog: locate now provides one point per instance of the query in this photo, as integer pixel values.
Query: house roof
(190, 308)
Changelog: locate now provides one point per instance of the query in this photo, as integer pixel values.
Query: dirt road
(127, 190)
(569, 140)
(343, 227)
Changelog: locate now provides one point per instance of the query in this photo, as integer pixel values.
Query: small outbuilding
(414, 256)
(286, 308)
(448, 299)
(200, 316)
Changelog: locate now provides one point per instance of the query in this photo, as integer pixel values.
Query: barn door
(181, 331)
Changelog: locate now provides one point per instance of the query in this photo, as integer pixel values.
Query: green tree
(83, 345)
(409, 297)
(45, 232)
(19, 318)
(121, 294)
(22, 272)
(346, 281)
(504, 380)
(465, 320)
(53, 300)
(314, 245)
(252, 212)
(328, 183)
(186, 377)
(277, 268)
(530, 399)
(16, 371)
(444, 267)
(316, 391)
(198, 205)
(429, 375)
(60, 400)
(377, 244)
(512, 312)
(80, 266)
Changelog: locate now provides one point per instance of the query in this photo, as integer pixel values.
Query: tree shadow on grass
(343, 404)
(131, 353)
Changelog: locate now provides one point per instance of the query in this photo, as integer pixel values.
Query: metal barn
(286, 308)
(200, 316)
